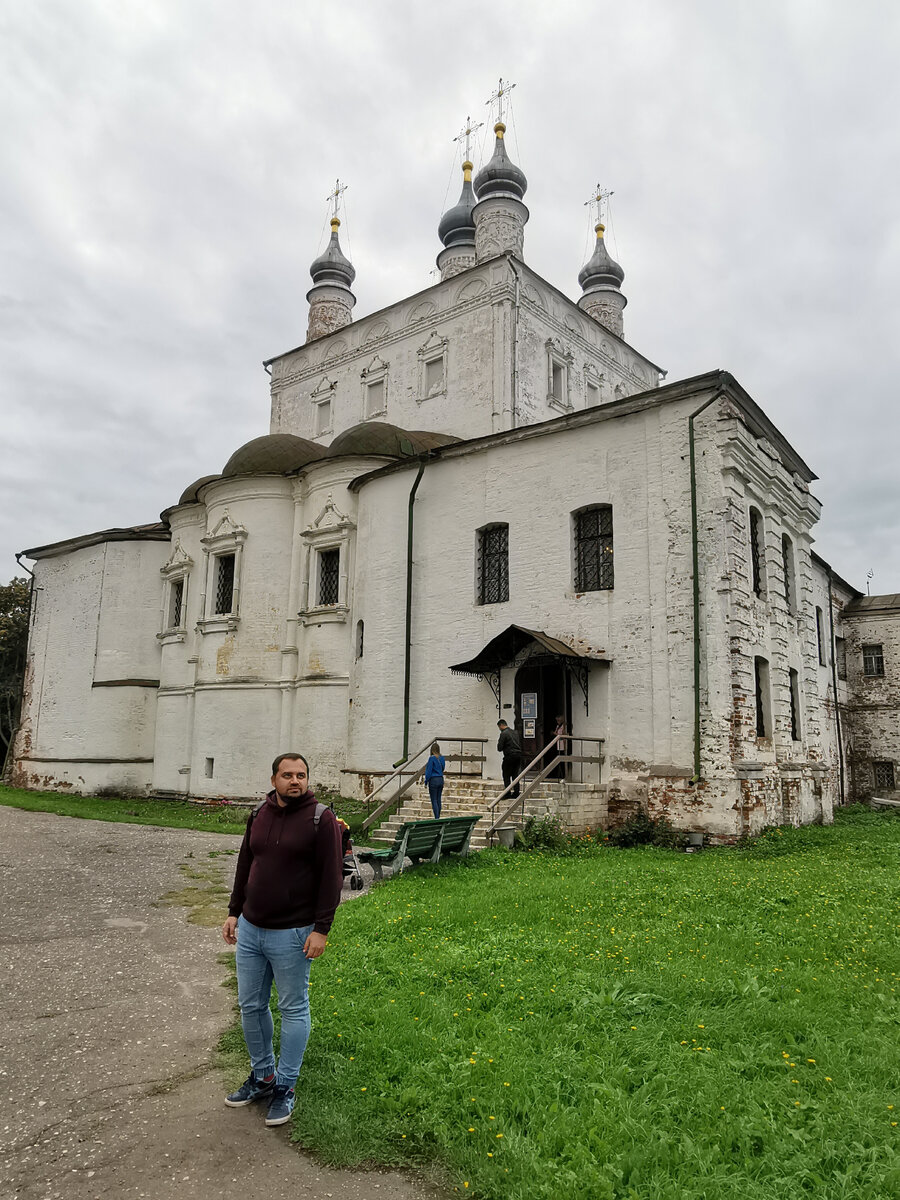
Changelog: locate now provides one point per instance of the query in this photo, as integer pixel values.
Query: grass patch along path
(622, 1025)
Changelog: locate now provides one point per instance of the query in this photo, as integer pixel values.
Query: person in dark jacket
(434, 778)
(287, 886)
(510, 747)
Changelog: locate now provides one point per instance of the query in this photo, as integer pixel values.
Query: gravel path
(111, 1009)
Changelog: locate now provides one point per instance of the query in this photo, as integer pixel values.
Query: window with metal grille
(873, 660)
(594, 549)
(224, 584)
(176, 603)
(884, 776)
(840, 653)
(795, 706)
(756, 551)
(329, 576)
(761, 681)
(787, 562)
(493, 564)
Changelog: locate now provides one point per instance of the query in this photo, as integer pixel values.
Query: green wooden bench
(422, 841)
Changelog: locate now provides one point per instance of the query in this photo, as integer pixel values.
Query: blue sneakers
(281, 1106)
(251, 1089)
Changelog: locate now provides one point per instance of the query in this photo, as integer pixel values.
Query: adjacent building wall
(92, 671)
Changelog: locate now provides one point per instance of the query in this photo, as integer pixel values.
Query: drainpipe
(695, 554)
(409, 566)
(515, 344)
(834, 684)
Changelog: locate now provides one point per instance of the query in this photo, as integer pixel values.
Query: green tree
(14, 605)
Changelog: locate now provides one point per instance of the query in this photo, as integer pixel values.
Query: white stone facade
(268, 610)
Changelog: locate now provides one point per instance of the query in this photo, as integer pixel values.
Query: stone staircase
(461, 798)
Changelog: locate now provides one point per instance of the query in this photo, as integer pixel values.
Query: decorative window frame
(322, 399)
(228, 537)
(376, 372)
(331, 530)
(592, 380)
(559, 358)
(176, 570)
(433, 350)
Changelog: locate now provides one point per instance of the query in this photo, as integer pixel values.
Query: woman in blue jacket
(434, 777)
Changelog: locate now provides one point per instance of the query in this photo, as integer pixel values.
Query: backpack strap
(320, 808)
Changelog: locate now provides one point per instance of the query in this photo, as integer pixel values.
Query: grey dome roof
(387, 441)
(600, 268)
(457, 225)
(501, 175)
(189, 495)
(274, 454)
(333, 266)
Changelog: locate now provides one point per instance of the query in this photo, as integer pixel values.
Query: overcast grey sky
(163, 173)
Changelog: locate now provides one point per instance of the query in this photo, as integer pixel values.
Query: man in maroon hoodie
(286, 888)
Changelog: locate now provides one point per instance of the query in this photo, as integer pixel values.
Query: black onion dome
(386, 441)
(189, 495)
(274, 454)
(600, 268)
(501, 176)
(333, 266)
(457, 224)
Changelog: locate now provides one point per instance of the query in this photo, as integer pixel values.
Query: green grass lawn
(621, 1024)
(171, 814)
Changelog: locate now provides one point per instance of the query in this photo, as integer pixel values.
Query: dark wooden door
(547, 680)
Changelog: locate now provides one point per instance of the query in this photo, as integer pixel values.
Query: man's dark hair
(281, 757)
(501, 723)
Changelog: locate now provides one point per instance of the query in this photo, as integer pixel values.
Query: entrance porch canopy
(506, 650)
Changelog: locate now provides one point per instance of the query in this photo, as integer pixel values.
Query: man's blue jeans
(263, 955)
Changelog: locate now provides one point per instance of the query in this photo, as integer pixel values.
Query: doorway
(542, 687)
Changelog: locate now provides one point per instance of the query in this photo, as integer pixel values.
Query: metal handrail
(417, 774)
(569, 737)
(530, 787)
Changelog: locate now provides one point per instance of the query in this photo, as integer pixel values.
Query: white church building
(479, 502)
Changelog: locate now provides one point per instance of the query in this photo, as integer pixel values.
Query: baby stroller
(350, 867)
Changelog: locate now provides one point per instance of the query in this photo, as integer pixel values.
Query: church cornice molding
(424, 326)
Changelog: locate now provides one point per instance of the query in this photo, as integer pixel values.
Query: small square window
(884, 776)
(873, 660)
(375, 392)
(329, 576)
(323, 417)
(434, 376)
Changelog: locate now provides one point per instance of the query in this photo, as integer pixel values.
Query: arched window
(493, 564)
(593, 530)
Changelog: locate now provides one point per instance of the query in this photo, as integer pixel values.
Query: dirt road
(111, 1007)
